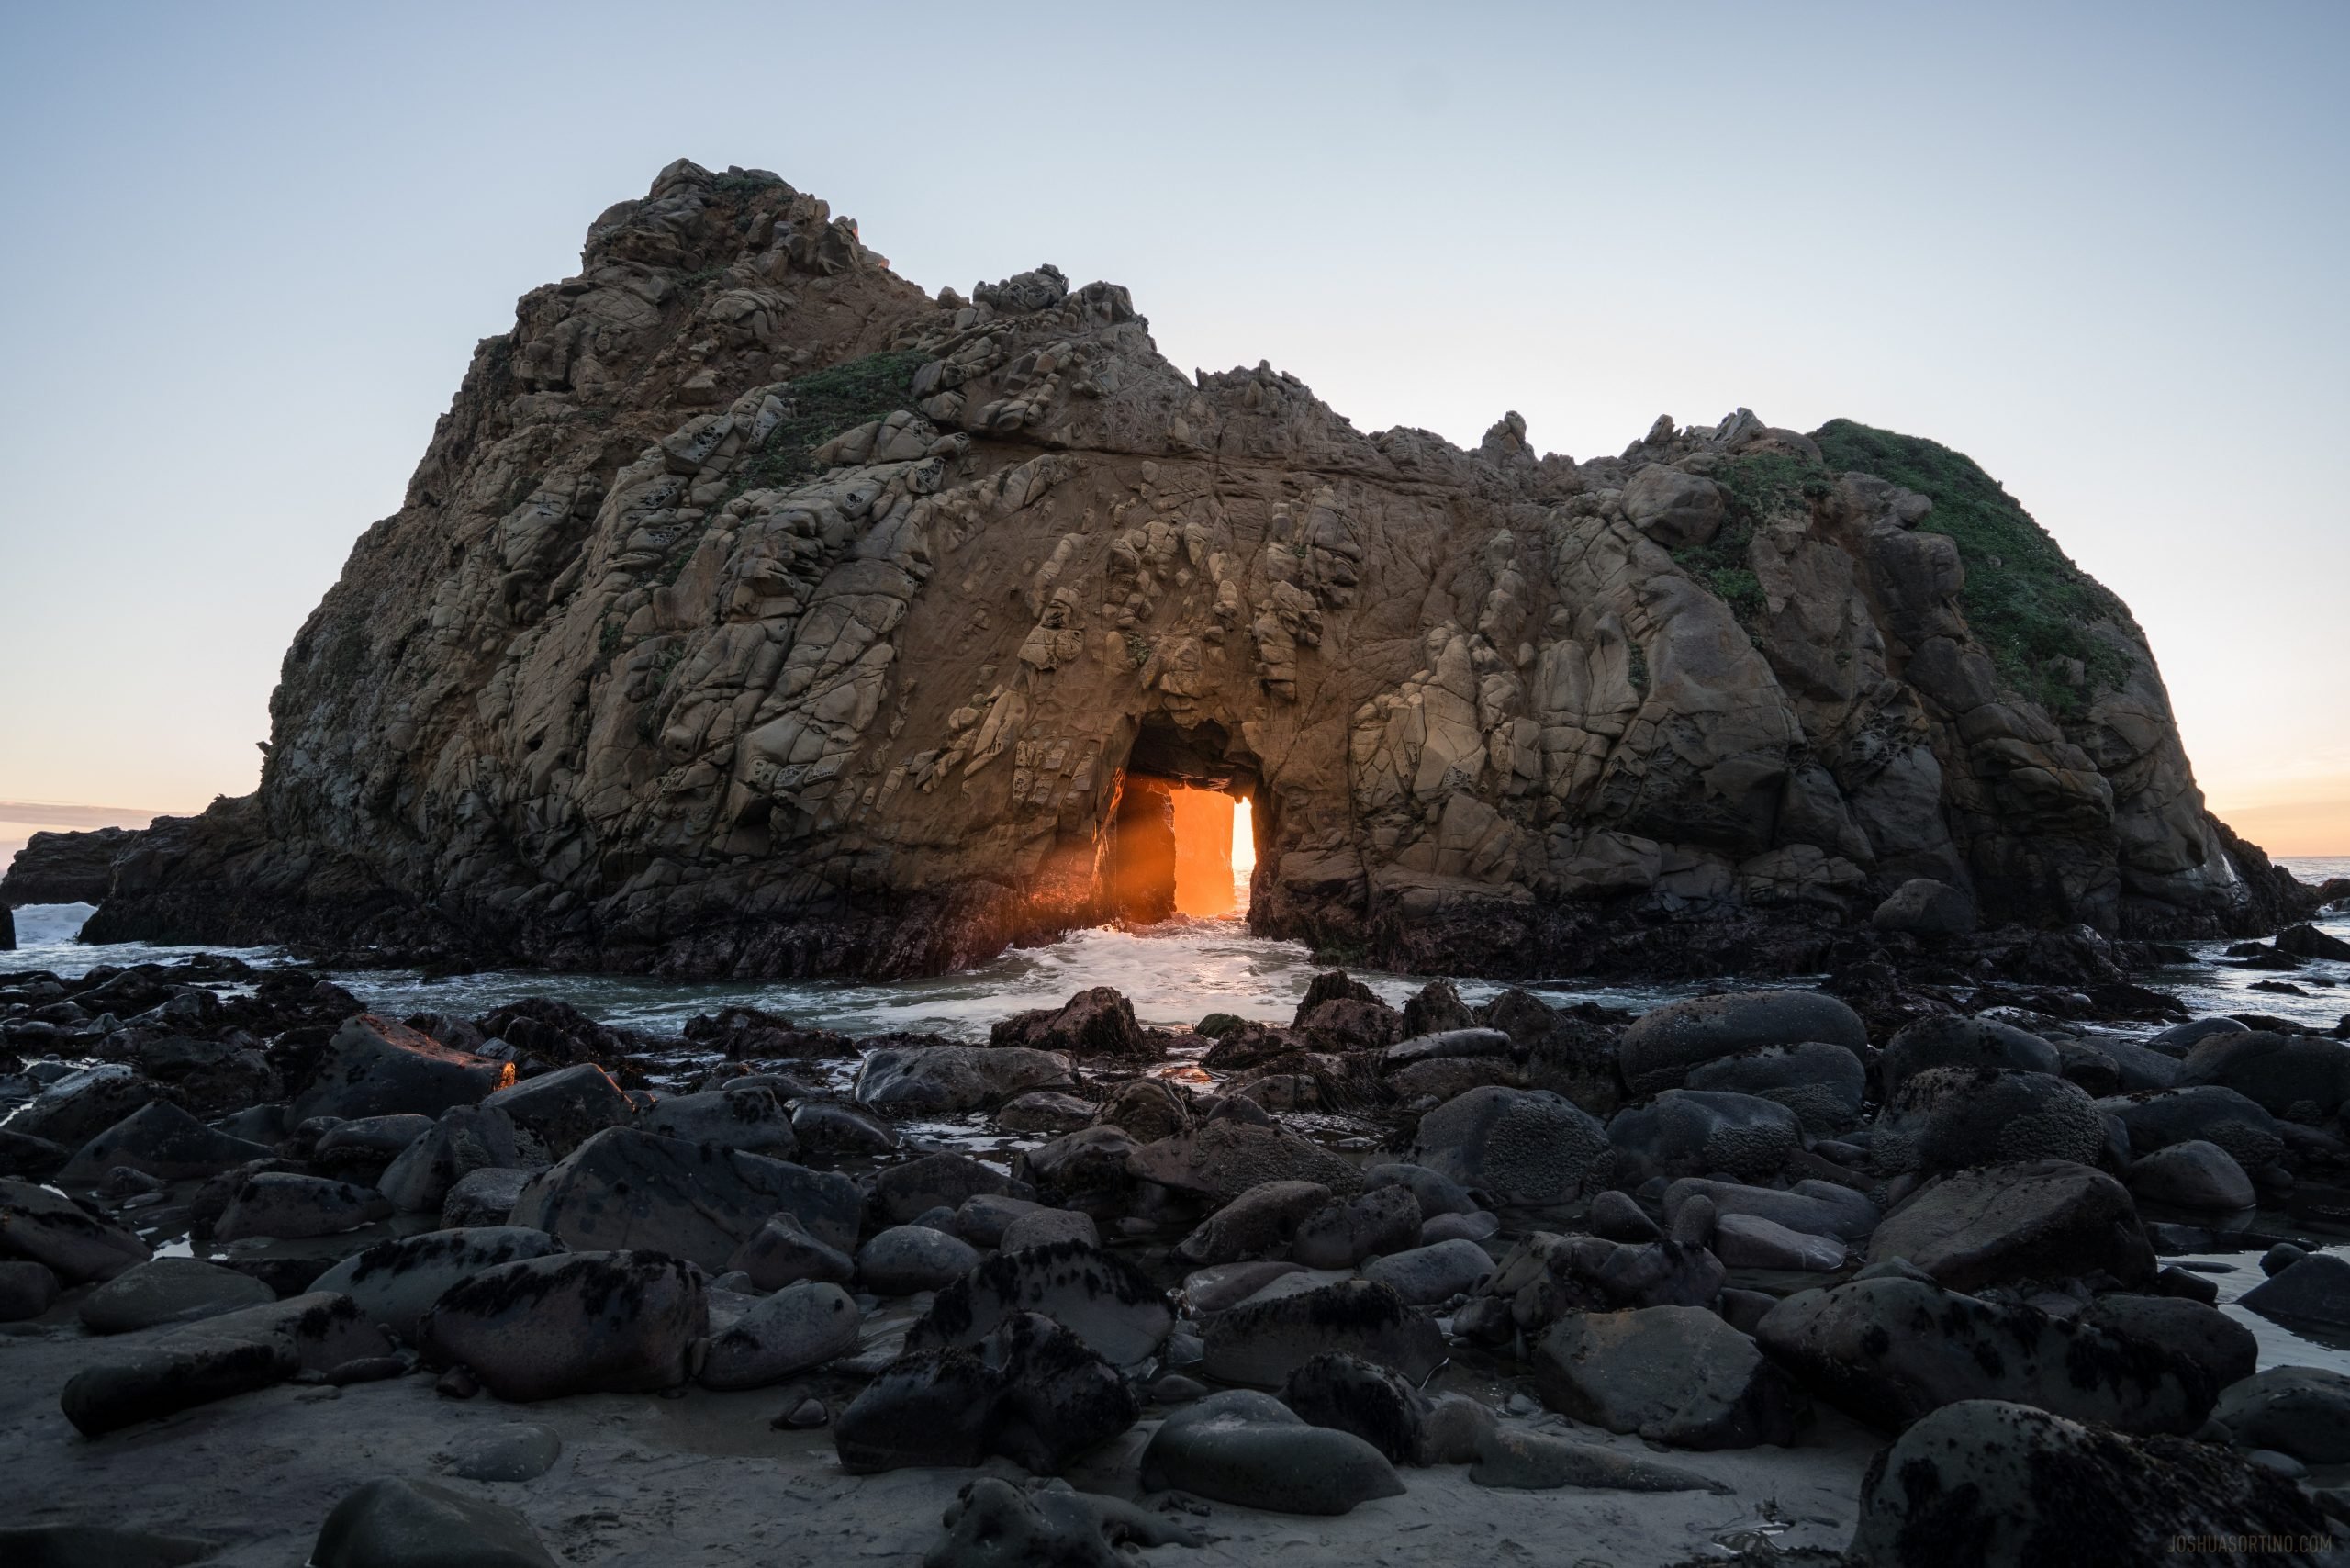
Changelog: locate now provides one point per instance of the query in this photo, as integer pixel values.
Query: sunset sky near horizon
(2098, 249)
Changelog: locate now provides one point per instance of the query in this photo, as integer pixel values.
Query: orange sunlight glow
(1205, 832)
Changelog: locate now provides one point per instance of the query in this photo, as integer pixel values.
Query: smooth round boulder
(2193, 1175)
(1097, 1295)
(905, 1258)
(373, 1066)
(74, 1241)
(937, 1080)
(577, 1322)
(903, 1193)
(2190, 1329)
(397, 1281)
(289, 1208)
(1370, 1224)
(1749, 1241)
(416, 1524)
(1822, 1085)
(26, 1290)
(1249, 1449)
(1226, 1156)
(1815, 1208)
(840, 1129)
(163, 1141)
(1047, 1226)
(170, 1290)
(1693, 1132)
(1662, 1045)
(2181, 1038)
(1677, 1375)
(516, 1452)
(1946, 1040)
(566, 1107)
(2001, 1224)
(1147, 1108)
(1972, 1482)
(367, 1144)
(1424, 1276)
(783, 1253)
(1347, 1393)
(1947, 1118)
(1258, 1224)
(485, 1196)
(625, 1188)
(1524, 1146)
(798, 1326)
(1438, 1194)
(2211, 1113)
(2302, 1411)
(2276, 1072)
(747, 1118)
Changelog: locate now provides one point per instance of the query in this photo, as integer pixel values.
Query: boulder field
(406, 1291)
(752, 611)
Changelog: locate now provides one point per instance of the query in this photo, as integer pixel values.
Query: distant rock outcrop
(752, 611)
(64, 868)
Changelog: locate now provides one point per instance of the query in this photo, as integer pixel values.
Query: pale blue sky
(2100, 248)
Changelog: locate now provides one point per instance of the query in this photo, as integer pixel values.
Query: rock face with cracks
(752, 611)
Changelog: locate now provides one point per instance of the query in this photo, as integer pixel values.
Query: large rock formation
(752, 611)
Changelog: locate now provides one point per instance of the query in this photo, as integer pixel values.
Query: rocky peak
(752, 610)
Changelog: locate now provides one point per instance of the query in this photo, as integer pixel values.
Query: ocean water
(1175, 974)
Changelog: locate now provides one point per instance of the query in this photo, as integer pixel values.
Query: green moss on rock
(2025, 600)
(826, 402)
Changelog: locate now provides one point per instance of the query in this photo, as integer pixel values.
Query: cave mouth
(1181, 838)
(1178, 849)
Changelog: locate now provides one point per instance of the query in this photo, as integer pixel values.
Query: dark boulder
(1097, 1295)
(564, 1108)
(1519, 1146)
(1662, 1046)
(574, 1323)
(625, 1189)
(402, 1523)
(163, 1141)
(1092, 1024)
(75, 1242)
(1946, 1040)
(1991, 1481)
(1249, 1449)
(232, 1353)
(1260, 1343)
(1029, 1390)
(1999, 1224)
(1693, 1132)
(1347, 1394)
(373, 1066)
(1890, 1349)
(1677, 1375)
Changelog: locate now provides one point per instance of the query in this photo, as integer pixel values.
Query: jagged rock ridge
(752, 611)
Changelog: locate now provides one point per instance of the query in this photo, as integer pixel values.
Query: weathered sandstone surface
(752, 611)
